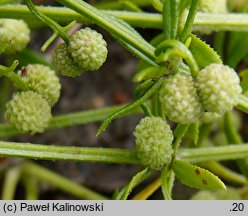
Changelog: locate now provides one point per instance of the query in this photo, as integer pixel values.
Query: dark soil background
(111, 85)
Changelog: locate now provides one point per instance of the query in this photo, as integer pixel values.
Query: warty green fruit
(43, 80)
(153, 138)
(29, 112)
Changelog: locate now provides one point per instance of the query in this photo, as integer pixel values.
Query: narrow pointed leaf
(136, 180)
(113, 26)
(129, 107)
(203, 53)
(196, 177)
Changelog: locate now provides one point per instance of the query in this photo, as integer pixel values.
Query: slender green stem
(113, 26)
(31, 187)
(55, 35)
(233, 136)
(208, 21)
(47, 21)
(170, 18)
(130, 6)
(69, 120)
(47, 152)
(157, 4)
(165, 183)
(118, 156)
(231, 152)
(167, 173)
(183, 51)
(11, 75)
(148, 190)
(117, 4)
(190, 20)
(167, 17)
(60, 182)
(11, 180)
(130, 107)
(224, 173)
(5, 92)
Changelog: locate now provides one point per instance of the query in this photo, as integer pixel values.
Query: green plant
(28, 112)
(41, 79)
(179, 76)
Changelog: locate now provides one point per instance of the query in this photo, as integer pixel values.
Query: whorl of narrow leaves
(42, 80)
(153, 138)
(28, 112)
(14, 33)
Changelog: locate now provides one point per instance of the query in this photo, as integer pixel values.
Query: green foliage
(203, 53)
(180, 77)
(43, 80)
(196, 177)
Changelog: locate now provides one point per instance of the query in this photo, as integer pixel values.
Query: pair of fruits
(30, 111)
(214, 91)
(86, 51)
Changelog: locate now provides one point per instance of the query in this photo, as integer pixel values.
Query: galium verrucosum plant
(181, 84)
(43, 80)
(28, 112)
(87, 51)
(153, 138)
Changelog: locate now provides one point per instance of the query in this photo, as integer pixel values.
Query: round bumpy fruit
(64, 62)
(28, 112)
(42, 80)
(15, 33)
(179, 97)
(88, 49)
(218, 87)
(153, 138)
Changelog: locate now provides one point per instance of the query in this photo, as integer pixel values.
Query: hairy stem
(215, 22)
(47, 21)
(118, 156)
(50, 152)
